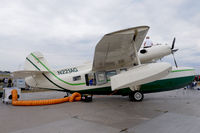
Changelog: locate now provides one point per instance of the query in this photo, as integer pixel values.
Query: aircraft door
(90, 79)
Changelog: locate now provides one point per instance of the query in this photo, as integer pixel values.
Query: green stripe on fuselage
(182, 70)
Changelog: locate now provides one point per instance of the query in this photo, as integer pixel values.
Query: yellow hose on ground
(75, 97)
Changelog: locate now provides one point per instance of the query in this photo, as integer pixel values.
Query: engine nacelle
(153, 53)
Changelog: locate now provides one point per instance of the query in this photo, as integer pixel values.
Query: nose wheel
(136, 96)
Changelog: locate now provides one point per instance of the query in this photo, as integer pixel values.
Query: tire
(10, 97)
(67, 95)
(87, 98)
(136, 96)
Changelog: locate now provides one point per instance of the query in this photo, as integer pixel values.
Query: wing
(115, 50)
(27, 73)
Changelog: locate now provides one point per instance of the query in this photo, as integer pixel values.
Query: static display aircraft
(120, 67)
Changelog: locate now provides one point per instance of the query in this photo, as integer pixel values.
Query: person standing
(5, 82)
(10, 83)
(148, 43)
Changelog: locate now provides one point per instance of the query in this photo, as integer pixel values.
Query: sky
(67, 31)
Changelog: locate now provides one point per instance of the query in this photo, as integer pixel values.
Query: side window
(76, 78)
(101, 78)
(123, 70)
(110, 74)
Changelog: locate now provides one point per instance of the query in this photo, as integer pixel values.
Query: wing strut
(135, 50)
(136, 55)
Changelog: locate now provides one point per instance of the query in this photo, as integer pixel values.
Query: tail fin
(36, 61)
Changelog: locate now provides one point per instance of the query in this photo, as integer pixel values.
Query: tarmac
(166, 112)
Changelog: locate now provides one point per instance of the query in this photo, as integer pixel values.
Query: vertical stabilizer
(36, 61)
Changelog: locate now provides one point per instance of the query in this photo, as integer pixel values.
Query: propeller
(173, 43)
(173, 51)
(174, 60)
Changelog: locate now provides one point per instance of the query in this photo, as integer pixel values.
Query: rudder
(36, 61)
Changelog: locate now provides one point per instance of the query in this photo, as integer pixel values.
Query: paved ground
(175, 112)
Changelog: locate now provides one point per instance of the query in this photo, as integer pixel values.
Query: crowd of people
(7, 82)
(194, 83)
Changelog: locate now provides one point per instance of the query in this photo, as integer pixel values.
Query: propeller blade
(174, 60)
(173, 43)
(174, 50)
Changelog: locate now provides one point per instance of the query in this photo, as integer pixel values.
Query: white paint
(140, 75)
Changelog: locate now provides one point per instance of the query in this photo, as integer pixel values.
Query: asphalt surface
(174, 111)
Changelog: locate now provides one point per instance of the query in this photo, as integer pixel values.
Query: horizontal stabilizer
(26, 73)
(140, 75)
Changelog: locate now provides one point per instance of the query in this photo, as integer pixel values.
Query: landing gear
(87, 98)
(67, 94)
(136, 96)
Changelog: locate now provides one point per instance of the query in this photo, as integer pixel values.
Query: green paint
(55, 74)
(166, 84)
(182, 70)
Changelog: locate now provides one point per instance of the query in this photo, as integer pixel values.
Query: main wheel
(87, 98)
(136, 96)
(67, 94)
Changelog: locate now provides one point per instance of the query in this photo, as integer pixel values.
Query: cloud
(66, 32)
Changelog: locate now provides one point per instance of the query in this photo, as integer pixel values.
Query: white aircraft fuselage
(78, 79)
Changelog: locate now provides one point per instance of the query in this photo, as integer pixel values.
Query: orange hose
(75, 97)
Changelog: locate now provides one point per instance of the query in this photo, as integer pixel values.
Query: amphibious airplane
(119, 67)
